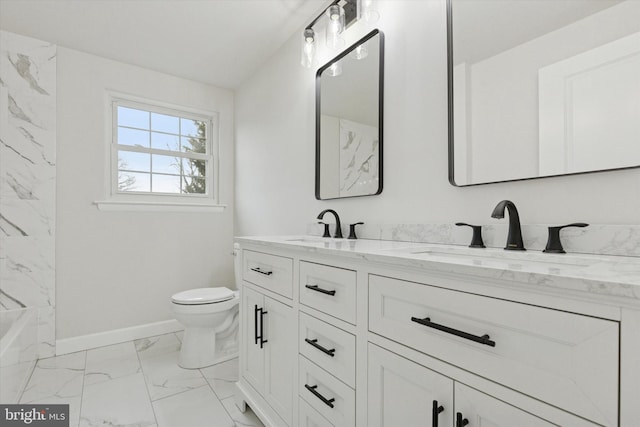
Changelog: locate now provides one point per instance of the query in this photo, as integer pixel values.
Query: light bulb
(307, 58)
(367, 11)
(335, 26)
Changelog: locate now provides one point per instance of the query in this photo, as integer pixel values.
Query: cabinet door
(253, 360)
(309, 417)
(279, 360)
(482, 410)
(401, 393)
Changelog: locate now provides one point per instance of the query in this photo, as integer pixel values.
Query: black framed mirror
(542, 88)
(349, 119)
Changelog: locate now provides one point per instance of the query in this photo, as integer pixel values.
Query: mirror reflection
(349, 121)
(543, 88)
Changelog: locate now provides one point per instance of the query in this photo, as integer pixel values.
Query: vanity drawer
(565, 359)
(331, 290)
(331, 348)
(309, 417)
(317, 388)
(269, 271)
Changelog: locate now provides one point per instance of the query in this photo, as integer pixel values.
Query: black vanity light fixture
(340, 14)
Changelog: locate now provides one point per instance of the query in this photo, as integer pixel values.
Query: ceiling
(218, 42)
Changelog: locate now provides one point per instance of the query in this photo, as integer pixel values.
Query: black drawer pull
(460, 421)
(266, 273)
(435, 412)
(482, 340)
(318, 289)
(315, 344)
(312, 389)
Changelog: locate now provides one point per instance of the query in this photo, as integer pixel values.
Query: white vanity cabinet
(268, 336)
(403, 393)
(327, 353)
(481, 409)
(561, 358)
(360, 338)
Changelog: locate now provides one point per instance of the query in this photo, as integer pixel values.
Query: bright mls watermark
(34, 415)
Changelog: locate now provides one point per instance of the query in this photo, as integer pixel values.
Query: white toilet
(204, 312)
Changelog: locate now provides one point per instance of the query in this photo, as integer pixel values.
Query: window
(162, 155)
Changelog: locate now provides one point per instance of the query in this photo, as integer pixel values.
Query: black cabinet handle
(460, 421)
(318, 289)
(436, 411)
(255, 324)
(428, 323)
(262, 340)
(312, 389)
(315, 344)
(257, 270)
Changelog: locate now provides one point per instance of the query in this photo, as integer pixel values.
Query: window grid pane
(151, 173)
(133, 118)
(133, 137)
(144, 143)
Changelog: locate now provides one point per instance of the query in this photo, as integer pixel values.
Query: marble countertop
(614, 276)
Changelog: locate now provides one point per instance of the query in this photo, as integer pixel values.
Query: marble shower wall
(28, 181)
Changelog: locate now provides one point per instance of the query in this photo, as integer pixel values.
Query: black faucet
(338, 233)
(514, 240)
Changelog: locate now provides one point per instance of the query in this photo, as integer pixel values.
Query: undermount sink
(497, 255)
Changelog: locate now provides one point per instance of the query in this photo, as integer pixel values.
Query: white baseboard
(100, 339)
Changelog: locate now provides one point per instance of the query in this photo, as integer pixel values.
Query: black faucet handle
(554, 245)
(352, 230)
(338, 233)
(326, 229)
(476, 240)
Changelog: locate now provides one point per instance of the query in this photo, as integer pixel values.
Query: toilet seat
(203, 296)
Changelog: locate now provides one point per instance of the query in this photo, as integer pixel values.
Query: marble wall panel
(601, 239)
(27, 181)
(359, 158)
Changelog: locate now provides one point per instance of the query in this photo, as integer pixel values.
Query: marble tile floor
(139, 383)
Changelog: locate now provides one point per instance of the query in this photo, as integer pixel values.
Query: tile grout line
(84, 373)
(178, 394)
(235, 423)
(219, 400)
(144, 377)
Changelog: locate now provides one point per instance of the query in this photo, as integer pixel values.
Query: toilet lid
(203, 296)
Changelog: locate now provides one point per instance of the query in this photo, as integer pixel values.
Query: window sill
(145, 206)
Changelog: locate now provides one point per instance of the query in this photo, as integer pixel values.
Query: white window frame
(131, 200)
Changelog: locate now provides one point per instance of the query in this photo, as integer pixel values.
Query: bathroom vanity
(378, 333)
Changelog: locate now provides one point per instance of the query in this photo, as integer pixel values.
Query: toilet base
(198, 348)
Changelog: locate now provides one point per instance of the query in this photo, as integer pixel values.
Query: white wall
(119, 269)
(275, 146)
(330, 156)
(504, 93)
